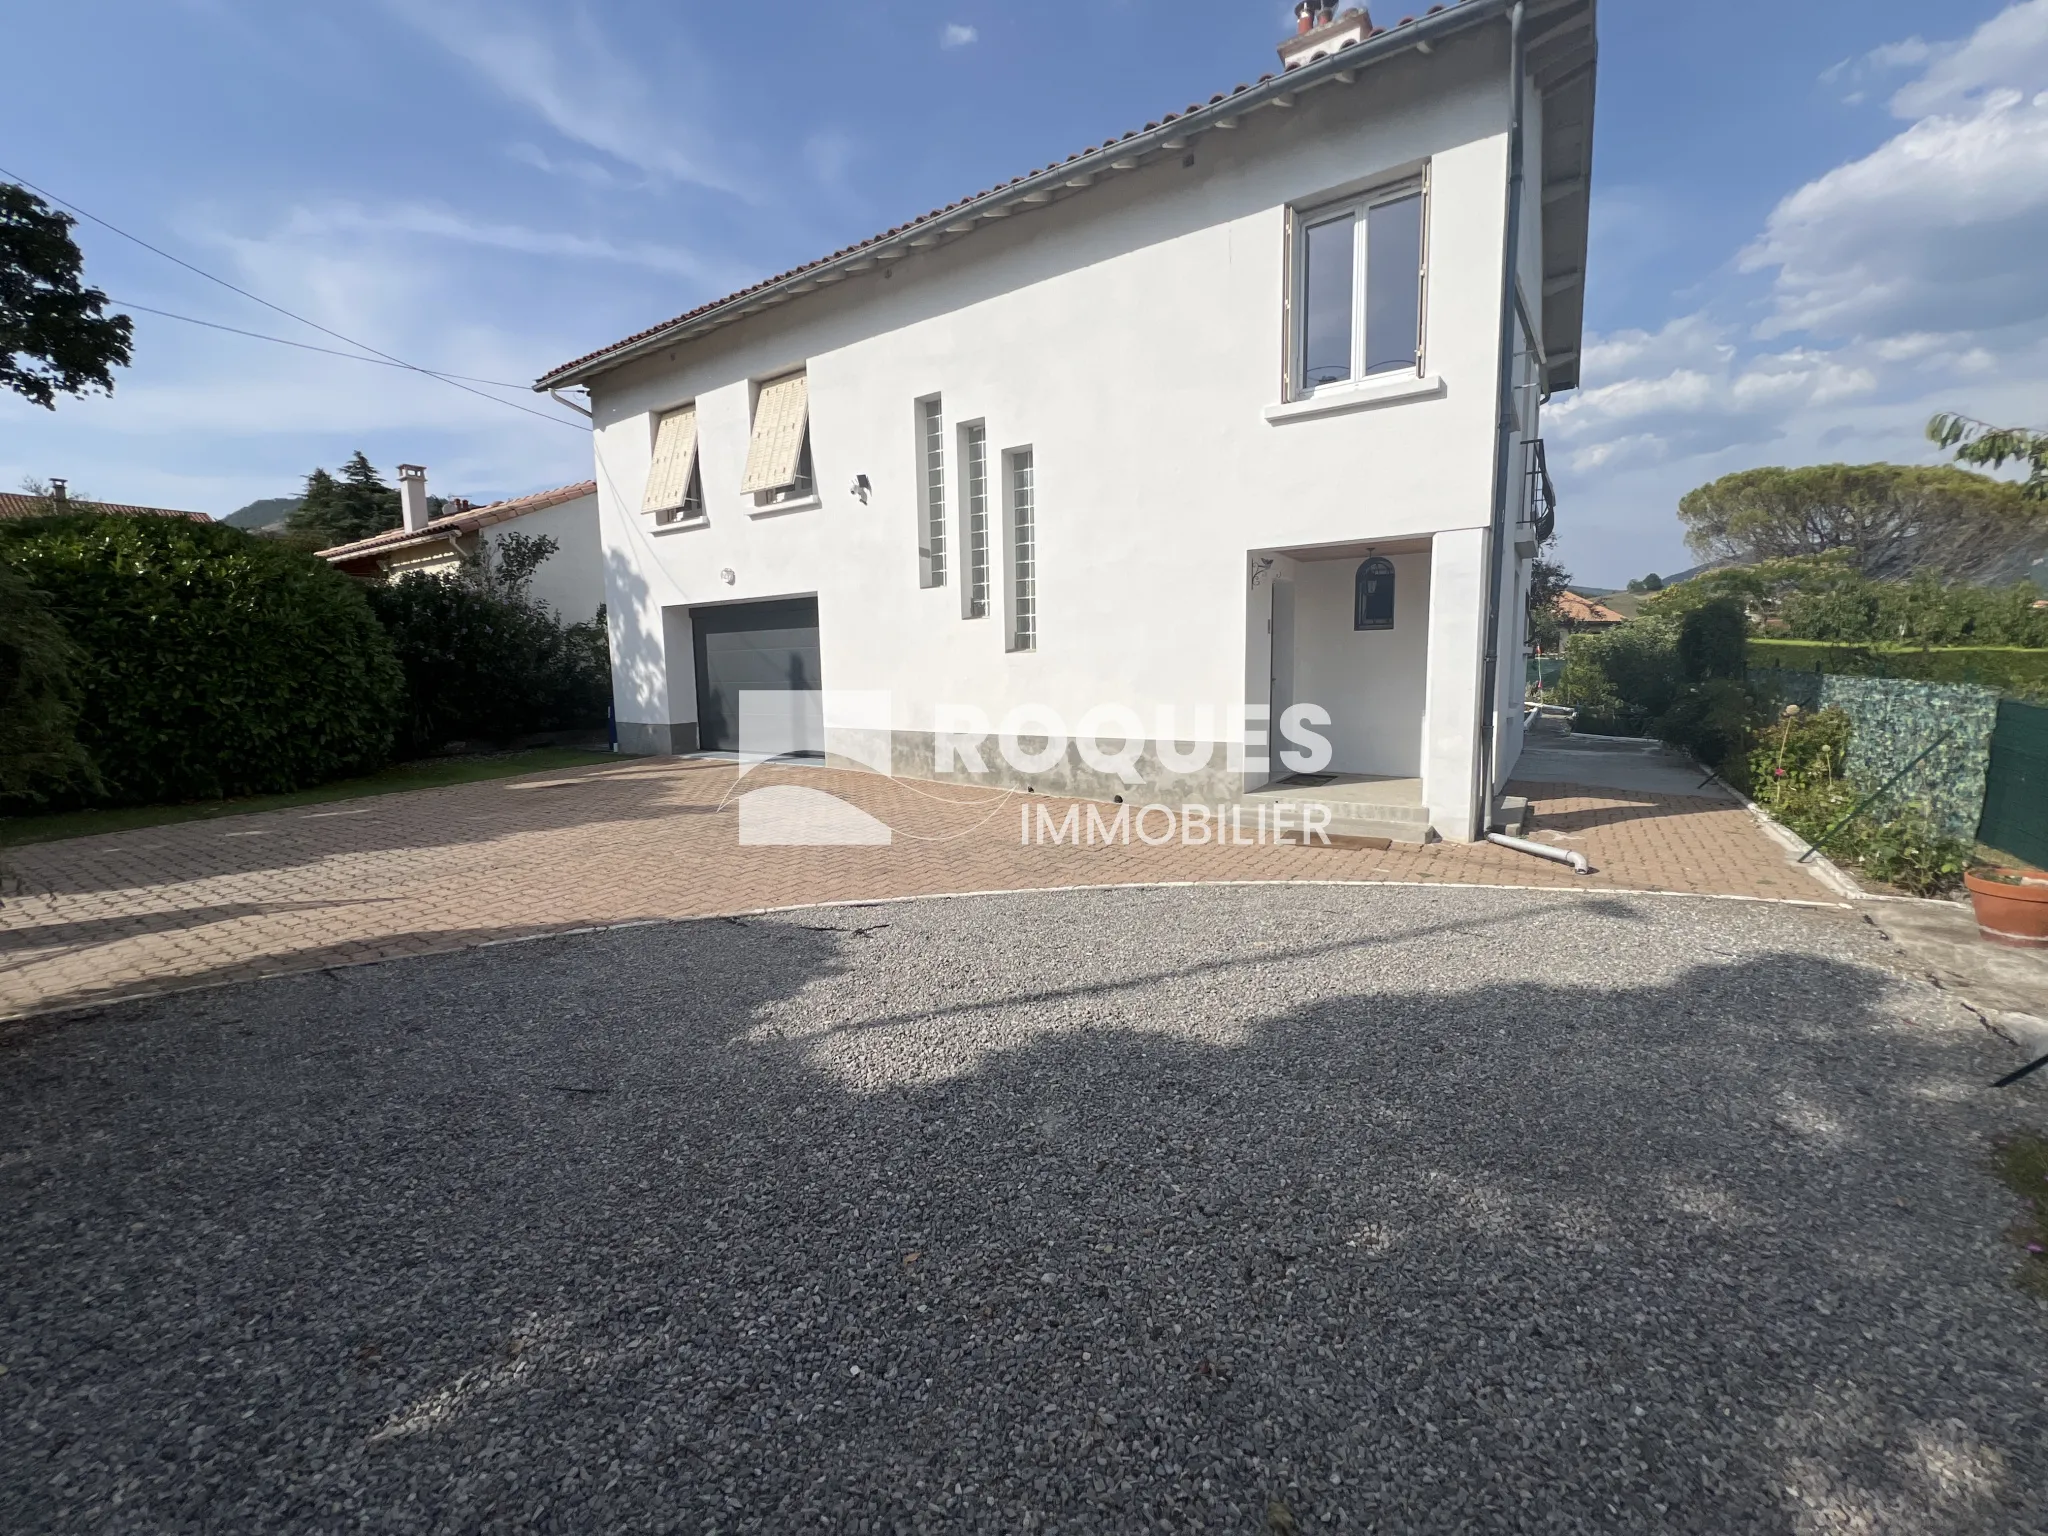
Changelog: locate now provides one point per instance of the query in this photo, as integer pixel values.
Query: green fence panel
(2016, 790)
(1894, 722)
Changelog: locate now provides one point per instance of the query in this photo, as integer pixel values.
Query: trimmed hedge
(2018, 672)
(484, 666)
(213, 663)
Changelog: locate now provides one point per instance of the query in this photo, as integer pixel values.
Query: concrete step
(1512, 816)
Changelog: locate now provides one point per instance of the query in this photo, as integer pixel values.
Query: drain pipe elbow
(1569, 856)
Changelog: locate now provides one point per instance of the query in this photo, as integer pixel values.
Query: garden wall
(1895, 721)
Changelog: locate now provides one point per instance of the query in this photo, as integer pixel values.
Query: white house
(1230, 416)
(570, 582)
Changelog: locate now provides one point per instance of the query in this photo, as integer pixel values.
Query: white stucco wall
(571, 582)
(1373, 682)
(1134, 337)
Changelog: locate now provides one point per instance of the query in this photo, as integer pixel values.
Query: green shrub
(1910, 852)
(1621, 682)
(1796, 763)
(481, 665)
(1710, 641)
(39, 750)
(213, 663)
(1712, 720)
(2018, 672)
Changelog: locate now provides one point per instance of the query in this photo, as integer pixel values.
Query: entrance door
(1283, 651)
(756, 648)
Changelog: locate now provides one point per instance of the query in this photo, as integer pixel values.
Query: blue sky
(1814, 222)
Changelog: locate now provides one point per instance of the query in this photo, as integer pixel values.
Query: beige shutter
(780, 416)
(675, 457)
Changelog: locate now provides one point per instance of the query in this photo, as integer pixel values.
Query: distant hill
(261, 514)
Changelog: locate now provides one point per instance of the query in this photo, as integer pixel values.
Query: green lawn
(430, 773)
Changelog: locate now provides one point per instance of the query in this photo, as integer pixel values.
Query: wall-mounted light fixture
(862, 489)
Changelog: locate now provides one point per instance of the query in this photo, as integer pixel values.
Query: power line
(306, 346)
(362, 346)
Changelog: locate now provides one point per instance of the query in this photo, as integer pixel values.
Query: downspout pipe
(1504, 427)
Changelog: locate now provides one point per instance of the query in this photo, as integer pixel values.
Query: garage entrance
(766, 647)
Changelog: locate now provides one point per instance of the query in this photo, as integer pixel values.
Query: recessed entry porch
(1344, 629)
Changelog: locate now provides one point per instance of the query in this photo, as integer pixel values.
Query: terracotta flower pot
(2012, 911)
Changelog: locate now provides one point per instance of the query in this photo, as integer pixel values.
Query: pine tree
(340, 511)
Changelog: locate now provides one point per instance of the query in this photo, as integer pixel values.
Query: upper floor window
(675, 479)
(779, 452)
(1358, 288)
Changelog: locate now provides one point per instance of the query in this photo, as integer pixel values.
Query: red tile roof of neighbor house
(1574, 609)
(12, 505)
(1220, 110)
(461, 522)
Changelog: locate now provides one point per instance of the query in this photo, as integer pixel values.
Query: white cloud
(557, 64)
(958, 35)
(1940, 228)
(1906, 281)
(444, 224)
(2009, 52)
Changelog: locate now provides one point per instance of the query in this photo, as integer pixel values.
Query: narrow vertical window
(974, 459)
(1393, 285)
(931, 554)
(1328, 265)
(1023, 552)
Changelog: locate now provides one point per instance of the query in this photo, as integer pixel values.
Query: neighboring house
(1582, 614)
(12, 506)
(1230, 415)
(571, 582)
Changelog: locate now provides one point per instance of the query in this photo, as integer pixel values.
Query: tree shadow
(1086, 1212)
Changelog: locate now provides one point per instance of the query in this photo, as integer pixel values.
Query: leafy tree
(1548, 580)
(1825, 597)
(1976, 443)
(54, 338)
(340, 511)
(1893, 520)
(39, 748)
(1650, 583)
(505, 567)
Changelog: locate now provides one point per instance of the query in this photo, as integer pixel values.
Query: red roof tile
(12, 505)
(461, 522)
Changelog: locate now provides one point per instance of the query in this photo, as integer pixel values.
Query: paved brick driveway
(134, 913)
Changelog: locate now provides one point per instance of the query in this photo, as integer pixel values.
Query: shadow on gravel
(1115, 1211)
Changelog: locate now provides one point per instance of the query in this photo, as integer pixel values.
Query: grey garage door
(755, 647)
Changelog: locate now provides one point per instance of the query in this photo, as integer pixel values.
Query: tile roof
(12, 505)
(460, 523)
(1221, 109)
(1574, 609)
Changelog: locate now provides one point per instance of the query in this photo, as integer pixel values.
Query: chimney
(412, 497)
(59, 491)
(1320, 30)
(455, 506)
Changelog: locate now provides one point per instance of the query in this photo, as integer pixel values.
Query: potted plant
(2011, 906)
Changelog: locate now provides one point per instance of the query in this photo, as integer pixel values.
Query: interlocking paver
(134, 912)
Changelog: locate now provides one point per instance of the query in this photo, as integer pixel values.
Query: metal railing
(1539, 503)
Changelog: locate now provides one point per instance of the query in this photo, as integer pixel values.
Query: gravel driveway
(1192, 1209)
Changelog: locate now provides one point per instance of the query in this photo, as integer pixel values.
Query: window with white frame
(974, 585)
(1359, 272)
(931, 549)
(779, 451)
(1022, 515)
(675, 477)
